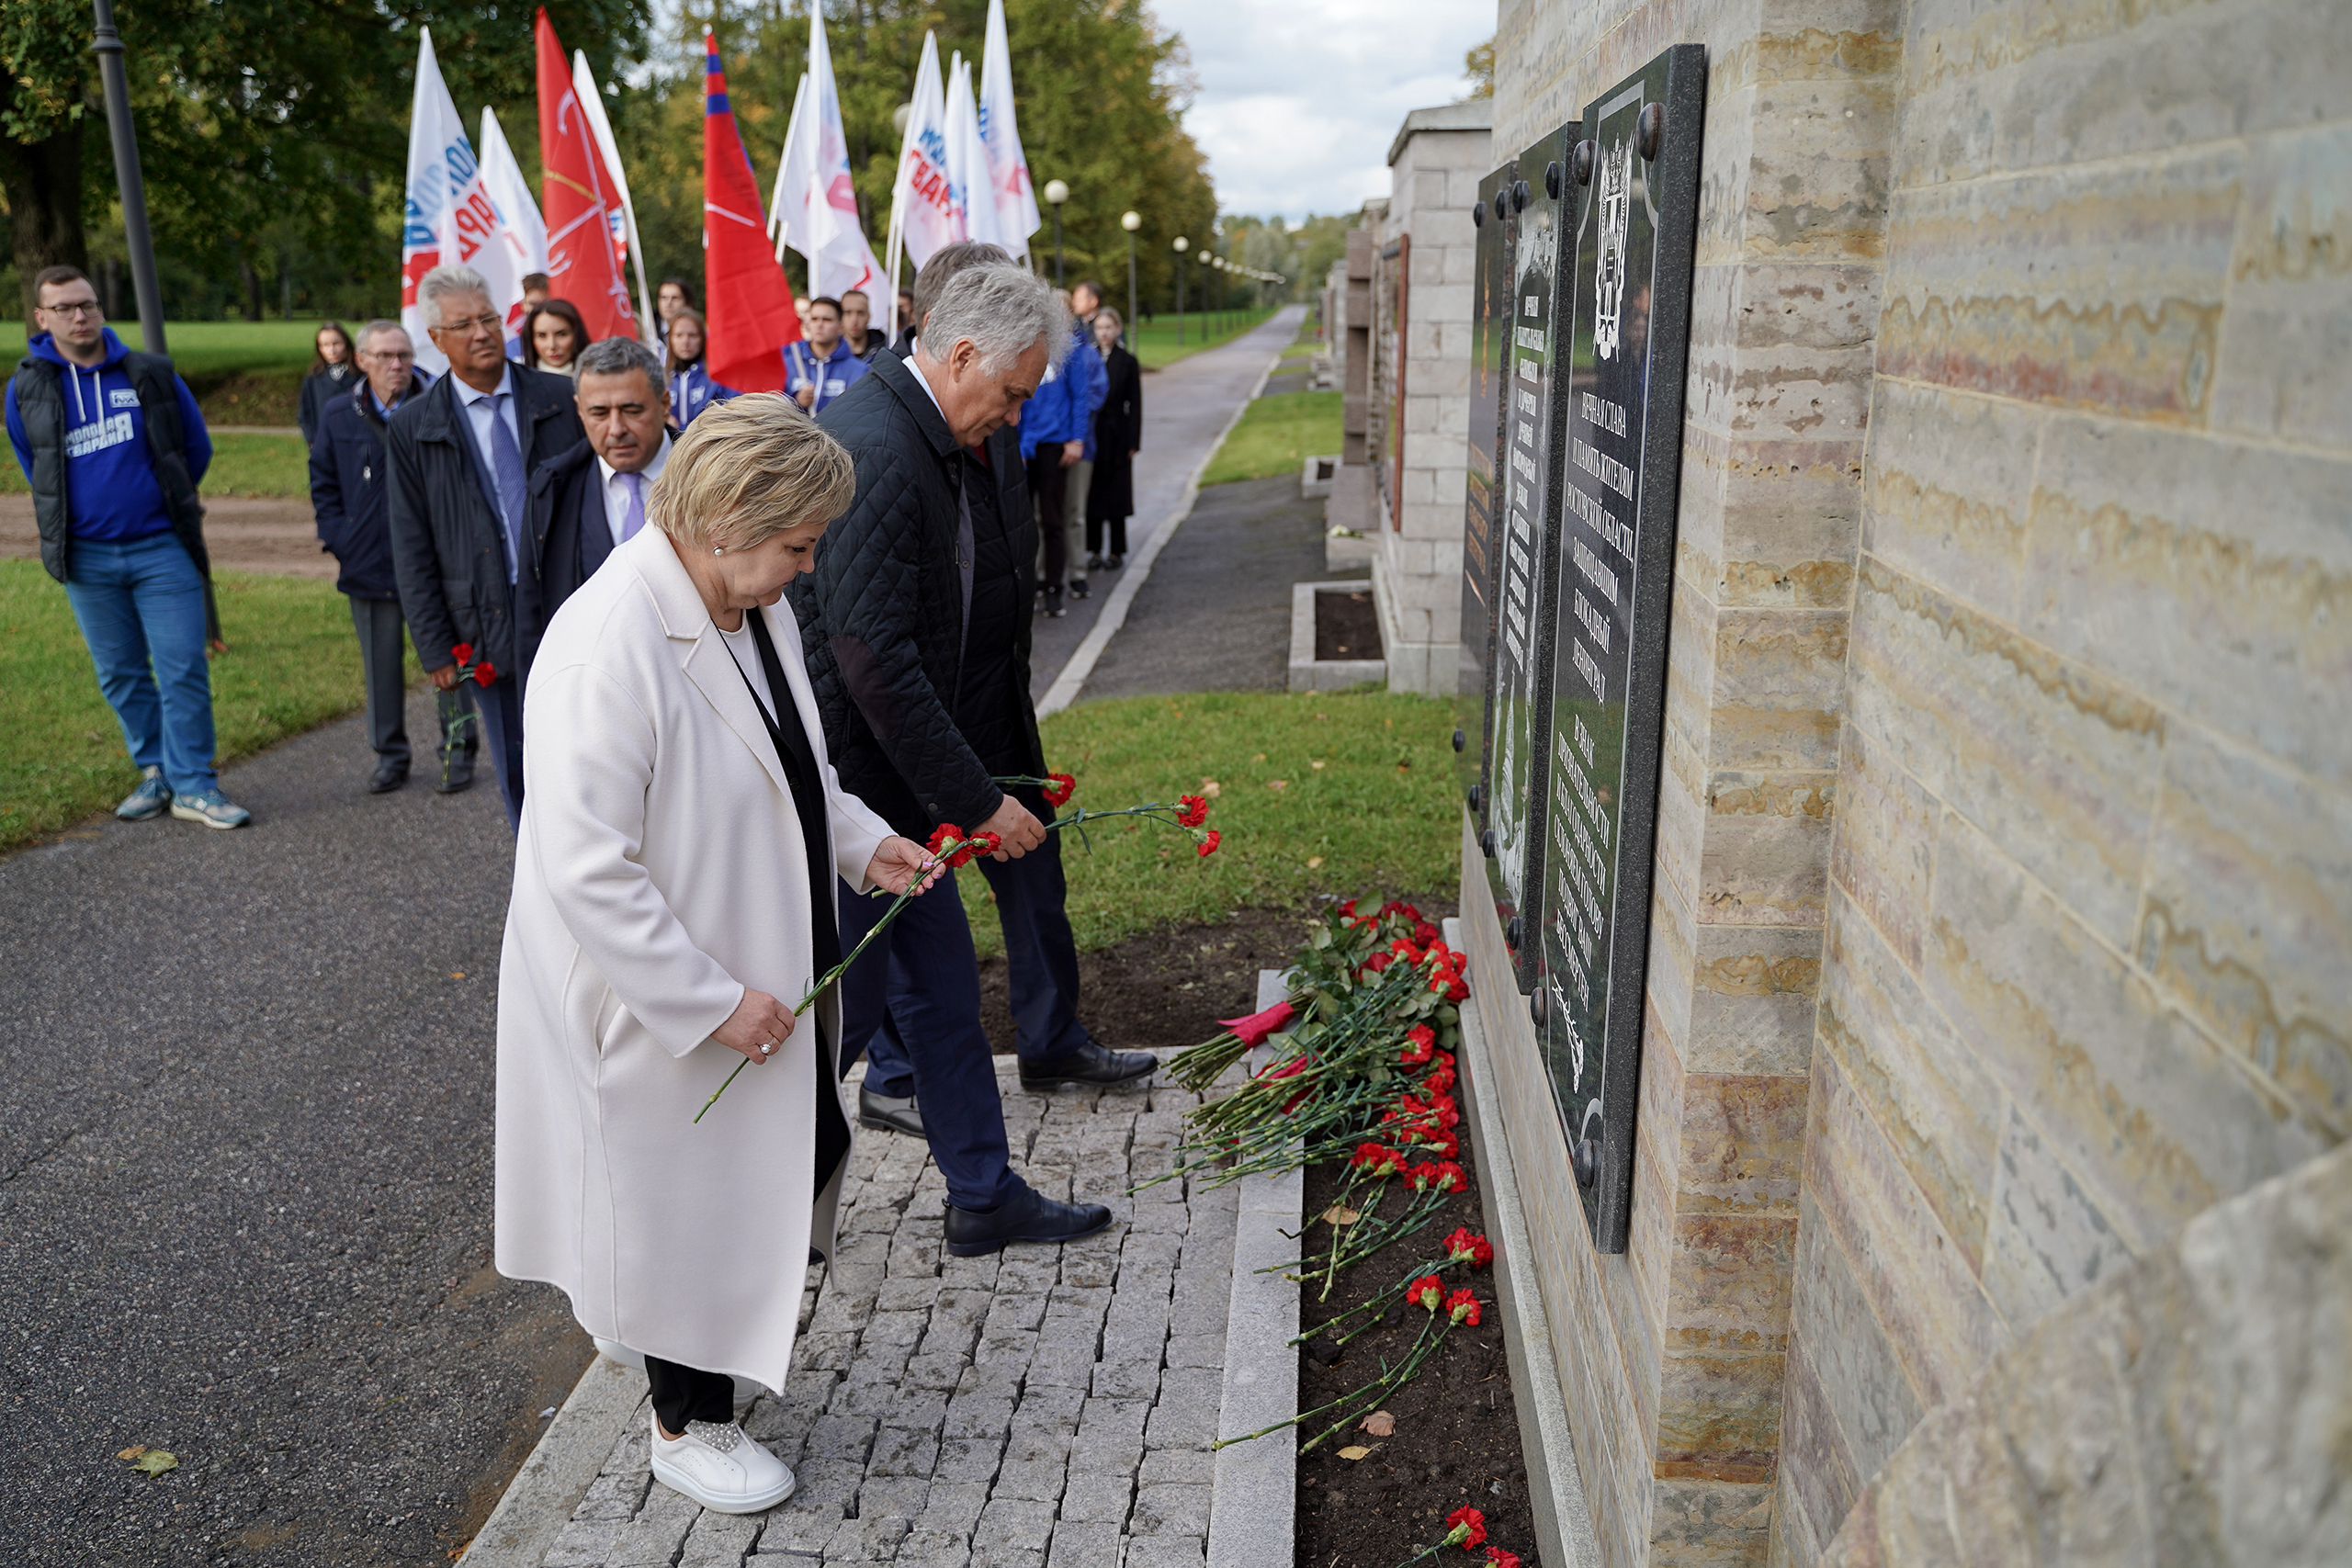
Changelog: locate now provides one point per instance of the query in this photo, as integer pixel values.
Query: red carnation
(1445, 1146)
(1426, 1292)
(1458, 991)
(980, 843)
(1464, 1308)
(1378, 1159)
(1347, 909)
(1421, 1041)
(1377, 962)
(463, 652)
(485, 672)
(942, 836)
(1465, 1527)
(1438, 1079)
(1209, 844)
(1426, 934)
(1252, 1030)
(1498, 1558)
(1448, 1178)
(1058, 788)
(1464, 1247)
(1191, 810)
(1419, 1177)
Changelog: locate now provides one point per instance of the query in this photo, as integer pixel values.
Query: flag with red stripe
(751, 314)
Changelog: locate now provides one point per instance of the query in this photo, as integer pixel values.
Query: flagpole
(129, 184)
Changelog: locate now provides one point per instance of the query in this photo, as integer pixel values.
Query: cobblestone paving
(1047, 1407)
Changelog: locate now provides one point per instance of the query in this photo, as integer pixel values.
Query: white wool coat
(658, 872)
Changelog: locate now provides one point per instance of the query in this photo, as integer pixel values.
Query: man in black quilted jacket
(916, 624)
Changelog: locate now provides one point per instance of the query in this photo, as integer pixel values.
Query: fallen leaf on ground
(1258, 758)
(154, 1462)
(457, 973)
(1316, 766)
(1278, 783)
(1353, 1451)
(133, 1453)
(1211, 789)
(1380, 1424)
(1337, 1214)
(1312, 862)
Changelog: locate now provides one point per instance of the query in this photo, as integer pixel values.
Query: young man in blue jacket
(114, 448)
(1053, 441)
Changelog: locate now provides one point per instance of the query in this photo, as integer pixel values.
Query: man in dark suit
(462, 457)
(915, 626)
(348, 485)
(587, 500)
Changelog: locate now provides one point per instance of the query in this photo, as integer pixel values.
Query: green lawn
(291, 664)
(1318, 793)
(1155, 341)
(242, 464)
(208, 347)
(1277, 434)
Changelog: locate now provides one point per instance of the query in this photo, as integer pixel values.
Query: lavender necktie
(636, 517)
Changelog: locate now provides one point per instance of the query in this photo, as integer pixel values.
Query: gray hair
(444, 283)
(1002, 310)
(618, 356)
(373, 329)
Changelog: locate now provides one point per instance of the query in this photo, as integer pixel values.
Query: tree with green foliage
(264, 125)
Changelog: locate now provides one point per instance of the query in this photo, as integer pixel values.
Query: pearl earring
(718, 549)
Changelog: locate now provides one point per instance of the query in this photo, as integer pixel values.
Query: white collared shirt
(615, 485)
(922, 381)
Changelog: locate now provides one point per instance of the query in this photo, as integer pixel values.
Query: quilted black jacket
(881, 617)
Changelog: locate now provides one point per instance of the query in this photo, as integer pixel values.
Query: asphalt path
(245, 1110)
(1185, 408)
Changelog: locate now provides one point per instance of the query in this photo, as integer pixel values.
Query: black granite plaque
(1620, 450)
(1489, 332)
(1528, 489)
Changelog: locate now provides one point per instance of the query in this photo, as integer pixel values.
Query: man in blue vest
(114, 447)
(820, 366)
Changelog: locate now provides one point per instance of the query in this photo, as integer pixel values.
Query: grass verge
(291, 665)
(1317, 792)
(1277, 434)
(209, 347)
(1155, 341)
(241, 465)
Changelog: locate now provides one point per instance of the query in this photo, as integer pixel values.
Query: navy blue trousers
(911, 1003)
(500, 706)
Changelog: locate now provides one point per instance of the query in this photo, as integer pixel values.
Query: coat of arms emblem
(1616, 184)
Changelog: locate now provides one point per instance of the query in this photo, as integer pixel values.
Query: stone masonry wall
(2005, 857)
(2090, 903)
(1675, 1352)
(1439, 158)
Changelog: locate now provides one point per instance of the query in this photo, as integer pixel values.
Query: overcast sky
(1300, 98)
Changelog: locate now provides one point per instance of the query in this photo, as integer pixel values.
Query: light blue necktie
(636, 517)
(506, 468)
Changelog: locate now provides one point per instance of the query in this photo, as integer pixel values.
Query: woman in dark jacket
(333, 373)
(554, 334)
(1118, 436)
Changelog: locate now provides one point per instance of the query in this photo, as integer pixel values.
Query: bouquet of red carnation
(461, 719)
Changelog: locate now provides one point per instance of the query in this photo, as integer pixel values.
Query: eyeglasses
(490, 323)
(390, 356)
(73, 307)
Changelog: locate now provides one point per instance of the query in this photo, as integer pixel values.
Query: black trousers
(1049, 482)
(382, 644)
(683, 1393)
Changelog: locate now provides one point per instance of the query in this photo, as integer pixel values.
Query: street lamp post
(107, 45)
(1182, 244)
(1131, 221)
(1056, 194)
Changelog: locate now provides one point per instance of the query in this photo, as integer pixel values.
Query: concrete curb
(541, 1499)
(1253, 1503)
(1564, 1534)
(1068, 685)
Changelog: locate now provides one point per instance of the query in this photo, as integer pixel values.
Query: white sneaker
(720, 1467)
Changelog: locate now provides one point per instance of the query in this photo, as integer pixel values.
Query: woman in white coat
(672, 900)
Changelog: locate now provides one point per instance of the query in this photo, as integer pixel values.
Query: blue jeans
(141, 605)
(912, 1003)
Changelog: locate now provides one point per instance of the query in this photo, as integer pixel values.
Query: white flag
(968, 161)
(826, 228)
(519, 218)
(1016, 203)
(450, 215)
(924, 212)
(788, 208)
(592, 104)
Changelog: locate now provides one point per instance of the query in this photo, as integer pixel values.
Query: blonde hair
(747, 469)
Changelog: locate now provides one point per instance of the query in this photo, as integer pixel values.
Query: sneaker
(148, 800)
(1078, 588)
(210, 807)
(1094, 561)
(1113, 563)
(720, 1467)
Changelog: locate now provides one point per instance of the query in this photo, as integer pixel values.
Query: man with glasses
(114, 447)
(347, 486)
(461, 456)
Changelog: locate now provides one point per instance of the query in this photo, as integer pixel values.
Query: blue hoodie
(110, 490)
(1062, 408)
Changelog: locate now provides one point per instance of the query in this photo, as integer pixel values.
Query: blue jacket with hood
(111, 488)
(1063, 407)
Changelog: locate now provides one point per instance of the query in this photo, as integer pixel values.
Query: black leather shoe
(886, 1114)
(456, 778)
(1030, 1217)
(1090, 1063)
(388, 777)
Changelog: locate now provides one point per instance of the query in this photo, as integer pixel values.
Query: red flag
(751, 316)
(580, 202)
